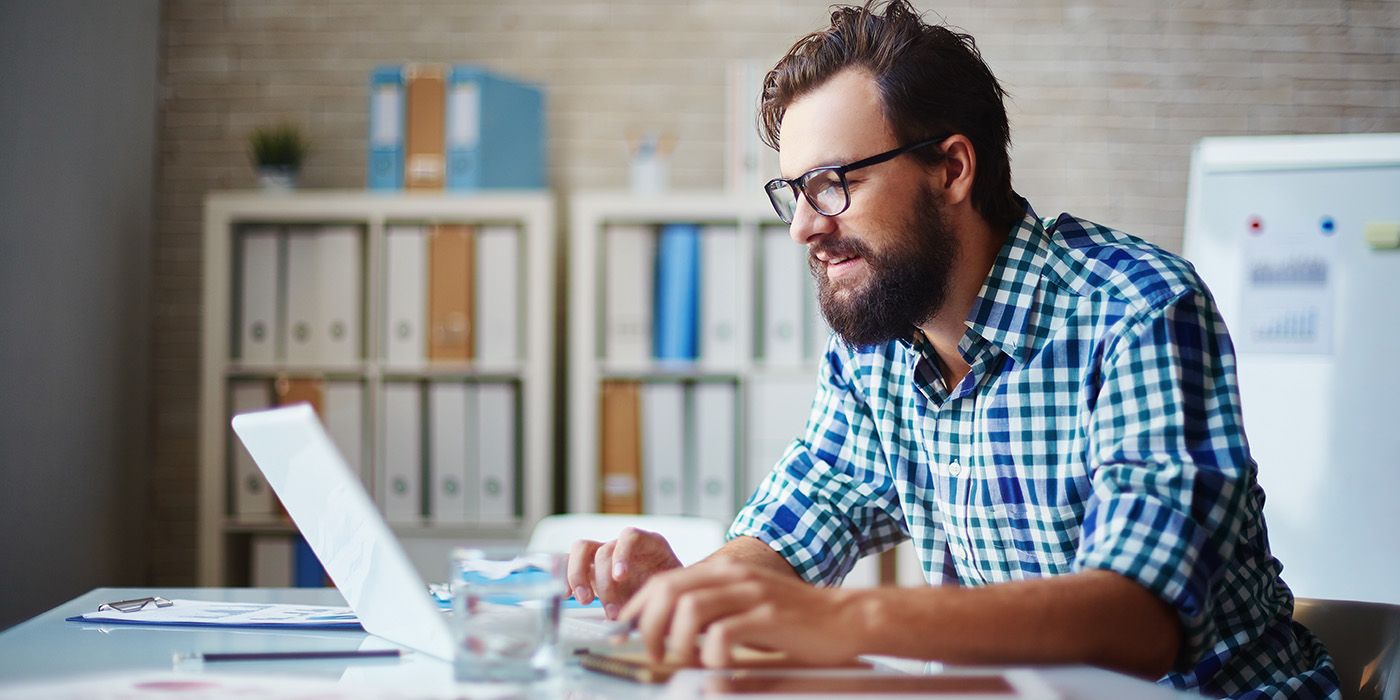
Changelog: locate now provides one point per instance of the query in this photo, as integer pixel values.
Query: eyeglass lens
(823, 189)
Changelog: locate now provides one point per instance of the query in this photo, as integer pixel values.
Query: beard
(907, 280)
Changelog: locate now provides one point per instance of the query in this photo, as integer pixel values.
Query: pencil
(297, 655)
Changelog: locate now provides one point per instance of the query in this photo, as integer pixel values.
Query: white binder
(257, 308)
(496, 441)
(343, 412)
(252, 497)
(271, 562)
(498, 307)
(721, 325)
(338, 302)
(400, 487)
(783, 313)
(303, 296)
(629, 272)
(452, 489)
(663, 448)
(715, 451)
(406, 303)
(777, 413)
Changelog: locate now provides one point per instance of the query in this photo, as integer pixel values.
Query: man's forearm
(1094, 617)
(752, 551)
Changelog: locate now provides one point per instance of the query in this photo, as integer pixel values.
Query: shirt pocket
(1036, 540)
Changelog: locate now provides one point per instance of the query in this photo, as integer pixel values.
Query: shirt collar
(1002, 313)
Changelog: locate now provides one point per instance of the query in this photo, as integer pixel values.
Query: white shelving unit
(372, 213)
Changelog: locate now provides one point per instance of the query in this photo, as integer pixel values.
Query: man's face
(882, 266)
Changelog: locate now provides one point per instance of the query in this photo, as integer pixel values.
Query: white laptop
(336, 516)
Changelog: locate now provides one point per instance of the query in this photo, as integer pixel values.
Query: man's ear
(953, 176)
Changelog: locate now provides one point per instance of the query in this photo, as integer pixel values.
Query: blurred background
(116, 119)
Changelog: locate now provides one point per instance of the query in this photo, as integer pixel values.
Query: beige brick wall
(1107, 98)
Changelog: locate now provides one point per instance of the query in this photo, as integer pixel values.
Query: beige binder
(424, 163)
(620, 456)
(450, 293)
(292, 390)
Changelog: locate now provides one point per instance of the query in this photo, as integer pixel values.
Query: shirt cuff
(1146, 540)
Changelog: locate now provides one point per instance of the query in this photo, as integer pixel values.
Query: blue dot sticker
(1328, 226)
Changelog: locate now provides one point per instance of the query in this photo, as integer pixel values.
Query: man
(1048, 408)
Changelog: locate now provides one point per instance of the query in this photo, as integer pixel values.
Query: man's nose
(807, 225)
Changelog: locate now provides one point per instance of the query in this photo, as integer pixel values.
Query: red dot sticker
(1256, 225)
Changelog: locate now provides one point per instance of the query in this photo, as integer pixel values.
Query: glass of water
(505, 615)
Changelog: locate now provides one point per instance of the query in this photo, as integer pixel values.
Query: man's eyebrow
(821, 163)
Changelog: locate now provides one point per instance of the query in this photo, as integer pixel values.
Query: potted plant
(277, 151)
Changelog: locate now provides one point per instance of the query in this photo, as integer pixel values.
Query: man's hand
(613, 571)
(736, 603)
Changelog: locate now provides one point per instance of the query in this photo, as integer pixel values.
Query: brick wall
(1106, 99)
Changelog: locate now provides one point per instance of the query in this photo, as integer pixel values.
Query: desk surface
(49, 648)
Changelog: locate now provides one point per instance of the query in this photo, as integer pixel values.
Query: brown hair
(931, 79)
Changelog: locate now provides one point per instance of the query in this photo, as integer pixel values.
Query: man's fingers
(707, 574)
(717, 649)
(581, 570)
(602, 582)
(696, 610)
(653, 608)
(622, 555)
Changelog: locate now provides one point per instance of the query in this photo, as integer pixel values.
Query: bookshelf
(369, 220)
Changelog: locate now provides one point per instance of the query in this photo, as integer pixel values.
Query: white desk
(47, 647)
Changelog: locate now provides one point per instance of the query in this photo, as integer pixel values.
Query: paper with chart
(1288, 294)
(204, 613)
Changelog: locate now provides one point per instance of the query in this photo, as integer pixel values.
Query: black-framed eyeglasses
(825, 187)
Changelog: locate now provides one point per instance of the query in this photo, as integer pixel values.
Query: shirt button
(954, 468)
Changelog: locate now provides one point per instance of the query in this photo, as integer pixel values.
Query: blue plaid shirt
(1099, 428)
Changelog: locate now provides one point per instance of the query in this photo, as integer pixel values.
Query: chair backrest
(1364, 639)
(691, 538)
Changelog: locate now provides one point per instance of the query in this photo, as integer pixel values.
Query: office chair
(1364, 639)
(691, 538)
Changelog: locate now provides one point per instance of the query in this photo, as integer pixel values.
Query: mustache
(836, 250)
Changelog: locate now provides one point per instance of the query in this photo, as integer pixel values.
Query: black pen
(294, 655)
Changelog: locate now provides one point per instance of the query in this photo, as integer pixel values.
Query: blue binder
(306, 568)
(495, 136)
(386, 129)
(677, 313)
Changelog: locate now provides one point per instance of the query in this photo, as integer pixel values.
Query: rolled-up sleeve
(1170, 470)
(829, 500)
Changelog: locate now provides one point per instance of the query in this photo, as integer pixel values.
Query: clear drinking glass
(505, 615)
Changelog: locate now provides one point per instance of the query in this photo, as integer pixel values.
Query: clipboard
(154, 610)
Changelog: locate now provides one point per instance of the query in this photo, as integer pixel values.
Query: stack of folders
(435, 127)
(680, 293)
(672, 448)
(453, 294)
(300, 295)
(450, 453)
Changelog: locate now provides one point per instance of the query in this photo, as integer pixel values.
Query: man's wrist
(861, 619)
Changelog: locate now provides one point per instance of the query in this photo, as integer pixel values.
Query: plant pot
(277, 178)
